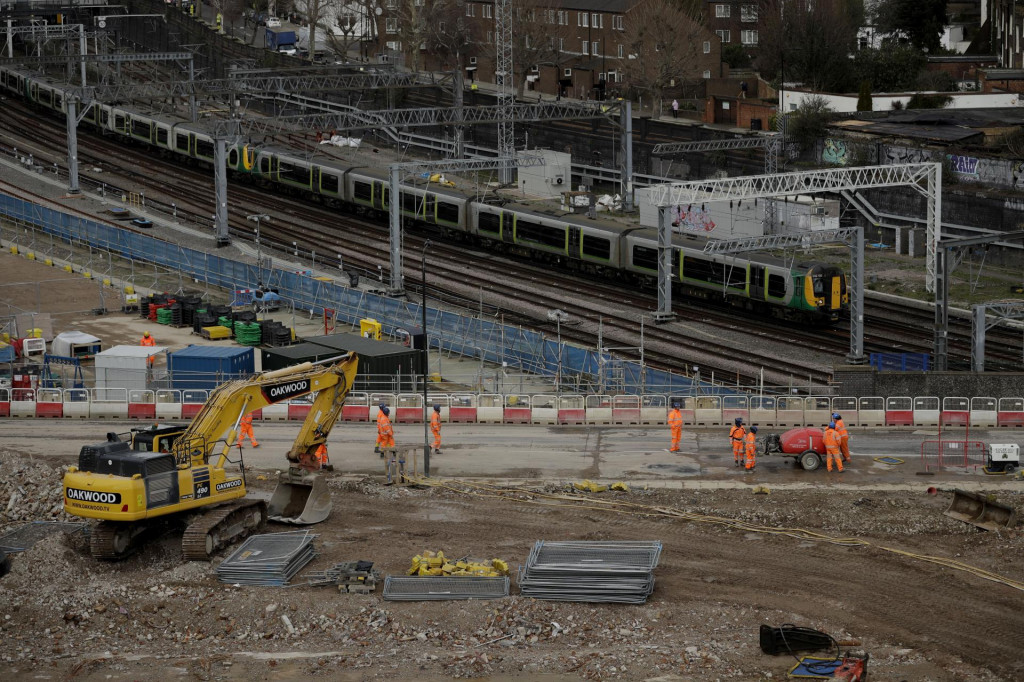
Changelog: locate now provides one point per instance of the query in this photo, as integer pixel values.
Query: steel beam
(855, 288)
(671, 148)
(1003, 310)
(626, 168)
(220, 181)
(664, 312)
(33, 60)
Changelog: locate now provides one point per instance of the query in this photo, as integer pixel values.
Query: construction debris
(588, 486)
(620, 572)
(352, 577)
(438, 588)
(435, 564)
(272, 559)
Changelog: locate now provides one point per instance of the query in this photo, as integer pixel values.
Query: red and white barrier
(517, 410)
(1011, 412)
(984, 412)
(955, 412)
(899, 411)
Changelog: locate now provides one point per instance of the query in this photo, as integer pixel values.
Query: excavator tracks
(115, 541)
(222, 526)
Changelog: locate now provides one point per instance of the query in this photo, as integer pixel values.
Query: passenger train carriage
(814, 292)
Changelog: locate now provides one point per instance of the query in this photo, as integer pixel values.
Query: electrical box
(1004, 453)
(369, 329)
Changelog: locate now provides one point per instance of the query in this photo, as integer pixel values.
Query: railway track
(363, 243)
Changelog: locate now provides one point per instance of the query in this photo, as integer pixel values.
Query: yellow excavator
(137, 486)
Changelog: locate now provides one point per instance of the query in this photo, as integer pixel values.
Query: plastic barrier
(984, 412)
(545, 409)
(298, 409)
(599, 409)
(626, 409)
(762, 411)
(141, 404)
(23, 402)
(517, 410)
(735, 406)
(870, 411)
(49, 403)
(899, 411)
(389, 399)
(168, 404)
(192, 401)
(654, 409)
(356, 408)
(76, 402)
(926, 411)
(847, 408)
(955, 412)
(408, 409)
(1011, 412)
(276, 412)
(441, 400)
(108, 403)
(708, 411)
(490, 408)
(572, 409)
(789, 411)
(817, 411)
(463, 408)
(5, 402)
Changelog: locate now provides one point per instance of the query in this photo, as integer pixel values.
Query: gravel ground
(64, 614)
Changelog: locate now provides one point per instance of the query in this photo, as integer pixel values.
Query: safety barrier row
(484, 408)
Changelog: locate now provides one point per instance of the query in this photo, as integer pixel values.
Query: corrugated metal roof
(935, 133)
(196, 351)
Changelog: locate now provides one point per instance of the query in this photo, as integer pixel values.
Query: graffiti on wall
(1017, 174)
(906, 155)
(963, 165)
(693, 219)
(835, 152)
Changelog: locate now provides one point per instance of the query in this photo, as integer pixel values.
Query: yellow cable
(623, 507)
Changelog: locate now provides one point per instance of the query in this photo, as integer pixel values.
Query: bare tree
(810, 41)
(664, 43)
(318, 13)
(537, 38)
(352, 24)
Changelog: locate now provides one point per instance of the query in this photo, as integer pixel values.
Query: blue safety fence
(488, 339)
(900, 362)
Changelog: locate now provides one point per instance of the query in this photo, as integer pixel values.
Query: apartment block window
(707, 47)
(586, 47)
(561, 44)
(563, 17)
(391, 25)
(392, 4)
(621, 51)
(748, 37)
(472, 60)
(597, 20)
(748, 13)
(567, 73)
(470, 9)
(707, 73)
(534, 69)
(583, 19)
(490, 36)
(394, 45)
(724, 35)
(617, 23)
(549, 16)
(723, 11)
(594, 48)
(488, 11)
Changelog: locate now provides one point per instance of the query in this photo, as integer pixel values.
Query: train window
(776, 286)
(233, 156)
(104, 117)
(119, 122)
(818, 285)
(264, 165)
(596, 247)
(330, 183)
(488, 222)
(646, 258)
(544, 235)
(58, 100)
(291, 173)
(447, 212)
(699, 269)
(161, 136)
(141, 129)
(412, 203)
(181, 142)
(204, 148)
(361, 191)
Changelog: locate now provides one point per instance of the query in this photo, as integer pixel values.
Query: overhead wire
(540, 498)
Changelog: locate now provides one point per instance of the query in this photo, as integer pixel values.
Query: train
(814, 293)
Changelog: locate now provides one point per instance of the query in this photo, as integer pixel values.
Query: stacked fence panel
(614, 572)
(271, 559)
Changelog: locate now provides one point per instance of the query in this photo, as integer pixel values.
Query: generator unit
(1005, 457)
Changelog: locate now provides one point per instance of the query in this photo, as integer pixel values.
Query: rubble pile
(30, 490)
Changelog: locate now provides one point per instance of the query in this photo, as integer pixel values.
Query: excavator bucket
(977, 509)
(301, 498)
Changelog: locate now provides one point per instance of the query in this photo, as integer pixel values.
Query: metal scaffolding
(1002, 310)
(504, 73)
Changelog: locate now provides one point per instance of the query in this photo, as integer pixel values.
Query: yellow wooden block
(49, 261)
(106, 281)
(30, 255)
(87, 275)
(129, 289)
(14, 250)
(67, 268)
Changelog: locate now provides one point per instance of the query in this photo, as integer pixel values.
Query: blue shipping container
(206, 367)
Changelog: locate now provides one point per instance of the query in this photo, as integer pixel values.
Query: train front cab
(825, 290)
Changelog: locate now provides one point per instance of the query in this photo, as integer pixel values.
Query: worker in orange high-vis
(844, 435)
(245, 430)
(380, 420)
(148, 340)
(321, 456)
(832, 447)
(736, 436)
(675, 423)
(750, 445)
(385, 432)
(435, 428)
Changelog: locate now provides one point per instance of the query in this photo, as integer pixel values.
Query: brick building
(735, 22)
(578, 47)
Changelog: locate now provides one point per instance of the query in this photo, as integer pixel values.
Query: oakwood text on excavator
(165, 474)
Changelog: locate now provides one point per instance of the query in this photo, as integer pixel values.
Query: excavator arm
(217, 422)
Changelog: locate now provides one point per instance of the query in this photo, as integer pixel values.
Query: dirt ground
(65, 615)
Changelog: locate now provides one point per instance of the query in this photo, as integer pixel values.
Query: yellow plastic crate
(216, 332)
